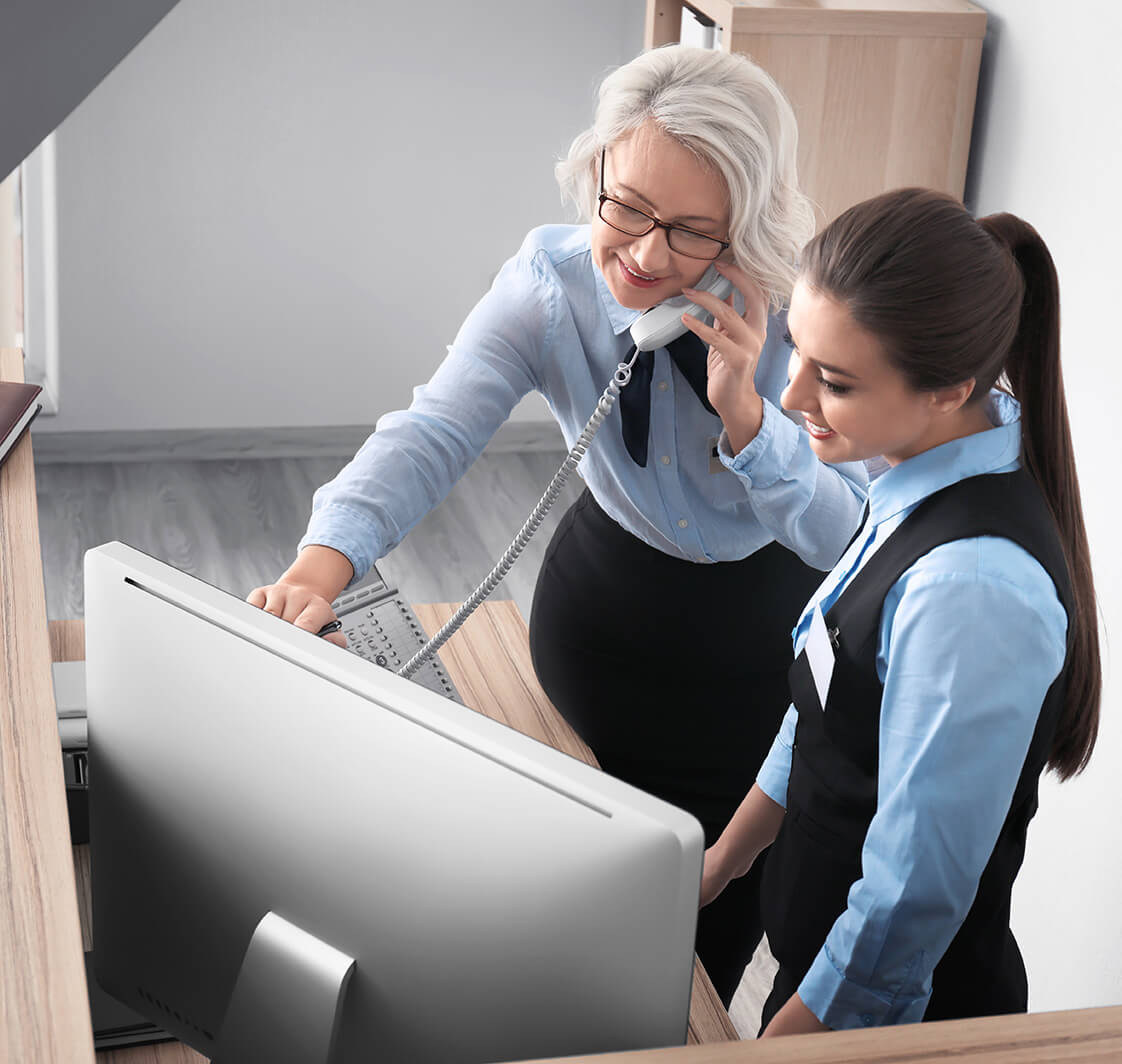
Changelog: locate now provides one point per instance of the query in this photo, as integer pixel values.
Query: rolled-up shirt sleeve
(968, 650)
(776, 769)
(810, 507)
(415, 456)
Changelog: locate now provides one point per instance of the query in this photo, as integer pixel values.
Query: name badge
(820, 655)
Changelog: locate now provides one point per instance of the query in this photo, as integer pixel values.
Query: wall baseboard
(161, 445)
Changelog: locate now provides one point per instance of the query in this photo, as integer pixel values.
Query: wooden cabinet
(883, 90)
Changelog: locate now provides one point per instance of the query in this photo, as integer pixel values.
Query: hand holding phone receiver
(663, 323)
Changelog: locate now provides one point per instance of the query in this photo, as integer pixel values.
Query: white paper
(820, 655)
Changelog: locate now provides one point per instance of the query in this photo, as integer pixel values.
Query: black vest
(832, 792)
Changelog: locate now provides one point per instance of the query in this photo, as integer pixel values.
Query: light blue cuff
(776, 771)
(768, 455)
(842, 1004)
(348, 531)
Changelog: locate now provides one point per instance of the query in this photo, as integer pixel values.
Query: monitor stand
(287, 1000)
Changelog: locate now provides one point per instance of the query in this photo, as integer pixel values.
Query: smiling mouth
(635, 277)
(817, 431)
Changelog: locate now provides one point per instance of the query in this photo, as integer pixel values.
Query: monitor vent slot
(168, 1010)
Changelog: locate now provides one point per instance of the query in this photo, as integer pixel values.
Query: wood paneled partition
(44, 1015)
(883, 90)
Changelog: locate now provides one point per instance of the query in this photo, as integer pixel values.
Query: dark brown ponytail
(951, 299)
(1034, 375)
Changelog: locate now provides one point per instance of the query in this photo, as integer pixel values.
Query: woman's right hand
(298, 605)
(304, 593)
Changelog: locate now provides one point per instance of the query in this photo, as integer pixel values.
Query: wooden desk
(489, 662)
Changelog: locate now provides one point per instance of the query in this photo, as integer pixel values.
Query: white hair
(736, 120)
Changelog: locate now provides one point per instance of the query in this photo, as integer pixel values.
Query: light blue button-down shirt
(971, 637)
(550, 323)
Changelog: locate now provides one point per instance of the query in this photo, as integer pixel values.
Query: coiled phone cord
(620, 379)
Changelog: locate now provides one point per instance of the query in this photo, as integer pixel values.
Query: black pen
(331, 626)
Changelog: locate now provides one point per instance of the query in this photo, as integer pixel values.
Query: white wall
(1047, 148)
(277, 212)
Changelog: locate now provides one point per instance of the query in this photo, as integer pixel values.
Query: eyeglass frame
(655, 223)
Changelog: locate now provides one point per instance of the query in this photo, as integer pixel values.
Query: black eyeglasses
(634, 222)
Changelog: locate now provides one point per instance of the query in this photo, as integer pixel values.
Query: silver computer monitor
(289, 843)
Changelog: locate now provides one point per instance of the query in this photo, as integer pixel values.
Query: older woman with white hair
(662, 615)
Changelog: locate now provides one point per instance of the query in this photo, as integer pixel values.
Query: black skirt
(675, 674)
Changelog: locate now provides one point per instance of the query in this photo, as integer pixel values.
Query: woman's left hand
(794, 1018)
(715, 876)
(735, 343)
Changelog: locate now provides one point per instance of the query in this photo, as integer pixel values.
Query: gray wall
(52, 53)
(277, 213)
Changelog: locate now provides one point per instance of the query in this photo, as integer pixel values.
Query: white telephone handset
(663, 323)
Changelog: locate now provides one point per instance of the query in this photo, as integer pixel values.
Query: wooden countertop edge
(44, 1014)
(1077, 1036)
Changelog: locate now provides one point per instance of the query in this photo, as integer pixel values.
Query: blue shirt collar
(621, 317)
(906, 484)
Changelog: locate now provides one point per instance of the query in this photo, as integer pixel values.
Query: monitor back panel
(502, 900)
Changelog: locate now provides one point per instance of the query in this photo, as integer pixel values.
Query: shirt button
(662, 386)
(666, 459)
(683, 523)
(867, 1020)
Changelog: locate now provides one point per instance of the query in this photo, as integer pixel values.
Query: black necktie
(690, 354)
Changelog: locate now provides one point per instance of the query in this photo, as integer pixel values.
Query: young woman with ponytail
(952, 654)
